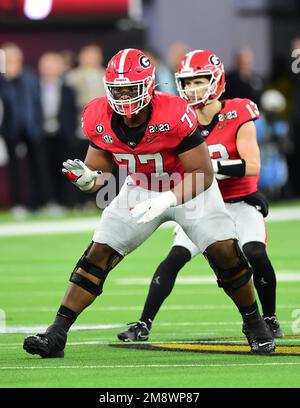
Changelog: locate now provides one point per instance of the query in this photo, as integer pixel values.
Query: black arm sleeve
(190, 141)
(95, 146)
(232, 168)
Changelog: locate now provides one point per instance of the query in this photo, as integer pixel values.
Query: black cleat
(274, 327)
(139, 331)
(47, 345)
(258, 336)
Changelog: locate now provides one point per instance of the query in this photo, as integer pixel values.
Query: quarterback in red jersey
(156, 135)
(229, 131)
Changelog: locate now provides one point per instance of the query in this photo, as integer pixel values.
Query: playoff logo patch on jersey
(99, 129)
(108, 138)
(227, 115)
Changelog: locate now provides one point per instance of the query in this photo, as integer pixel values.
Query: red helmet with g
(201, 63)
(129, 81)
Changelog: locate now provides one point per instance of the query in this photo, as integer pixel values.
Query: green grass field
(34, 274)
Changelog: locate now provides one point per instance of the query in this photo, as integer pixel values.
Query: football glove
(216, 170)
(154, 207)
(79, 174)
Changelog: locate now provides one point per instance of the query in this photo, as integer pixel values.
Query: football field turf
(34, 273)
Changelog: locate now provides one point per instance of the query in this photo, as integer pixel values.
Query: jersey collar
(129, 136)
(207, 129)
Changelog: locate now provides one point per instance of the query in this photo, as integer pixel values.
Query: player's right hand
(79, 174)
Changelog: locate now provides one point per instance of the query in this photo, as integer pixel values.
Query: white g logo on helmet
(214, 60)
(145, 62)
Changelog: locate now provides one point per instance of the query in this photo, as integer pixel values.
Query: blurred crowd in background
(40, 120)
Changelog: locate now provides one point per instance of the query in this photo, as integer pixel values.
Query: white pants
(199, 218)
(249, 224)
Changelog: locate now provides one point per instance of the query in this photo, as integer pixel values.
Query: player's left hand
(154, 207)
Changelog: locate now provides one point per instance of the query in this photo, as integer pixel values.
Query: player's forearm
(99, 181)
(237, 168)
(102, 177)
(193, 184)
(252, 168)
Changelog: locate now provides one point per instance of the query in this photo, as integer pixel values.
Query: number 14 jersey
(221, 136)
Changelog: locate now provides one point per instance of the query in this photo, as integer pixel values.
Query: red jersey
(221, 140)
(152, 148)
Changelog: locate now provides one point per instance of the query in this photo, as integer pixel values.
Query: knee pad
(94, 270)
(231, 278)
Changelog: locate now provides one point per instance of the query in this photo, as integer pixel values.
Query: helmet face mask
(129, 82)
(195, 93)
(197, 64)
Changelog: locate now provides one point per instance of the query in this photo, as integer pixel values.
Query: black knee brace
(226, 278)
(94, 270)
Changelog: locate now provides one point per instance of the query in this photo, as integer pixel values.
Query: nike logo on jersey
(149, 139)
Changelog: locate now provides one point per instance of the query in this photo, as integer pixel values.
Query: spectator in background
(164, 77)
(60, 121)
(176, 53)
(281, 81)
(273, 139)
(6, 126)
(86, 79)
(243, 82)
(69, 60)
(87, 82)
(26, 137)
(294, 162)
(6, 108)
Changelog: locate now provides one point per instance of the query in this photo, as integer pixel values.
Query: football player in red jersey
(229, 130)
(157, 135)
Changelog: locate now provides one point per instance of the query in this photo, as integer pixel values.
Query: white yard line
(112, 340)
(281, 275)
(89, 224)
(39, 328)
(75, 367)
(133, 308)
(16, 346)
(48, 227)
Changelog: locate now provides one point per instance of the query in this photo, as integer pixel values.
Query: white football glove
(216, 170)
(79, 174)
(153, 207)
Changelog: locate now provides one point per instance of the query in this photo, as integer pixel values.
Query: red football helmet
(129, 81)
(201, 63)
